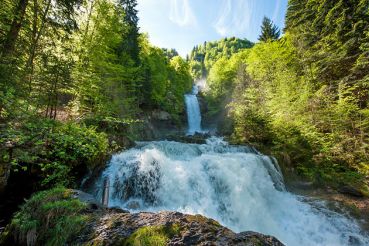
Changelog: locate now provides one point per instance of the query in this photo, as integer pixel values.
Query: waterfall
(238, 186)
(193, 112)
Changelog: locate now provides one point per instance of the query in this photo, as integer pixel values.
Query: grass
(50, 217)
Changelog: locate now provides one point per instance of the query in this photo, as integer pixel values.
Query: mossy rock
(152, 235)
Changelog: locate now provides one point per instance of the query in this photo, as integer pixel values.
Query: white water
(237, 186)
(193, 112)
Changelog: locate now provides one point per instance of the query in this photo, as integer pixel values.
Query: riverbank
(84, 222)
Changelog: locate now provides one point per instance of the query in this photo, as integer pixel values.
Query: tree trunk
(15, 27)
(35, 41)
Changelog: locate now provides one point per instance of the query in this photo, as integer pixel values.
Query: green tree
(269, 31)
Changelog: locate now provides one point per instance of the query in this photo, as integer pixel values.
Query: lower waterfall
(237, 186)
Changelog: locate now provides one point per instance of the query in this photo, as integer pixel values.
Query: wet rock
(92, 203)
(352, 191)
(113, 228)
(197, 138)
(133, 205)
(161, 115)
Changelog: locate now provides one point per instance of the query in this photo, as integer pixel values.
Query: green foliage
(89, 61)
(180, 82)
(105, 84)
(166, 80)
(330, 36)
(152, 235)
(222, 79)
(56, 150)
(50, 217)
(204, 56)
(130, 42)
(170, 53)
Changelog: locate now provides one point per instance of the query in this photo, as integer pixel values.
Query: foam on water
(237, 186)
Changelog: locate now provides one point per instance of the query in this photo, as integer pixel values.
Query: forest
(71, 71)
(80, 82)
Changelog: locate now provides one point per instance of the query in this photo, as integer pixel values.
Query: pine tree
(269, 31)
(130, 40)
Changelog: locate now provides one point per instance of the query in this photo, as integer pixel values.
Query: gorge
(184, 122)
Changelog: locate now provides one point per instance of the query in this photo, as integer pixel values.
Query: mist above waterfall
(237, 186)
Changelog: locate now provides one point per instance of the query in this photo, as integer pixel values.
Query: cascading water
(239, 187)
(193, 112)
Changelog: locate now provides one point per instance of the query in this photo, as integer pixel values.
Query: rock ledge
(119, 227)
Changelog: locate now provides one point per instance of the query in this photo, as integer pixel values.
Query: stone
(113, 228)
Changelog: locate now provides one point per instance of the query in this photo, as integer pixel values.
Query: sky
(182, 24)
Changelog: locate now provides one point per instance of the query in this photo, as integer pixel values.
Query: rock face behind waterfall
(117, 227)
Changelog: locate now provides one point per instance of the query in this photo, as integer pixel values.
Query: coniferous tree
(269, 31)
(130, 43)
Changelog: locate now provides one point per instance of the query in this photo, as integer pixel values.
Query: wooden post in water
(105, 195)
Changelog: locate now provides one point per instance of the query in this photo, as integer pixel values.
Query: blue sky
(181, 24)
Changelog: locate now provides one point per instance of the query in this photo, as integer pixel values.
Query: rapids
(237, 186)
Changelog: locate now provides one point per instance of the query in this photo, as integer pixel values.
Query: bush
(52, 149)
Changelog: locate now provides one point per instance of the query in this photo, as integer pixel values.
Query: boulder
(351, 191)
(166, 228)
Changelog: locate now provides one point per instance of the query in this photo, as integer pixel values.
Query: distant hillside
(203, 56)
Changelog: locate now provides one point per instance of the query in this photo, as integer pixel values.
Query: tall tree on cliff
(269, 31)
(130, 44)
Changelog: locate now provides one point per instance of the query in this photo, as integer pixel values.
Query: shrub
(50, 217)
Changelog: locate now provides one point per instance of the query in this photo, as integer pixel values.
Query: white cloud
(277, 10)
(181, 13)
(234, 17)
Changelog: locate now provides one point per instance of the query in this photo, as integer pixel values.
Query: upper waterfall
(193, 111)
